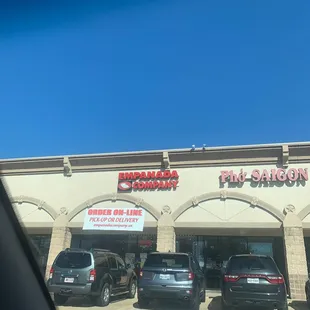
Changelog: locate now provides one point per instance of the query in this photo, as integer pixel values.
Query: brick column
(295, 253)
(165, 232)
(61, 239)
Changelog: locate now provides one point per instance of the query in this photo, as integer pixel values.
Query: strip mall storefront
(214, 202)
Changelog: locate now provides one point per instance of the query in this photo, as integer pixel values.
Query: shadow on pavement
(86, 302)
(215, 303)
(298, 305)
(161, 306)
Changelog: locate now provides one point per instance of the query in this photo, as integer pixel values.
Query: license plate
(69, 280)
(164, 276)
(253, 280)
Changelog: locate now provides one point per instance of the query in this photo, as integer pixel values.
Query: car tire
(132, 289)
(103, 299)
(60, 300)
(143, 303)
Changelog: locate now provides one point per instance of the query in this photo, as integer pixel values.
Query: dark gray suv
(171, 276)
(98, 274)
(253, 280)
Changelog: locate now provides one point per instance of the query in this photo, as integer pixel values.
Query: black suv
(253, 280)
(98, 274)
(171, 276)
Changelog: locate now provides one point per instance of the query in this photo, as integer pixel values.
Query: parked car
(98, 274)
(253, 280)
(171, 276)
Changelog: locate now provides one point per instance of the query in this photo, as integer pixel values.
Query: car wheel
(143, 303)
(104, 297)
(132, 289)
(60, 300)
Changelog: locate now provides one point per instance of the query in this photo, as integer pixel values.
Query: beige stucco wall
(69, 192)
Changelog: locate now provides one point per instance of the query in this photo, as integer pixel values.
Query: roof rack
(75, 250)
(99, 250)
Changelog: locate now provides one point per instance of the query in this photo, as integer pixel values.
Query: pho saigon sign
(260, 176)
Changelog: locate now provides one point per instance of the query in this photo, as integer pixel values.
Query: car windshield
(248, 263)
(167, 261)
(73, 260)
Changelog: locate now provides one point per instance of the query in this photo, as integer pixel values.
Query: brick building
(214, 202)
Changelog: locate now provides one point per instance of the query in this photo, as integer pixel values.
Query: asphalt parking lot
(131, 304)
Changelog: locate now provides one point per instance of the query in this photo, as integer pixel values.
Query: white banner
(128, 219)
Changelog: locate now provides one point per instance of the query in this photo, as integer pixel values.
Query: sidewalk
(131, 304)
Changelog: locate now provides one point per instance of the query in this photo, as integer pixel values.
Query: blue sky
(111, 76)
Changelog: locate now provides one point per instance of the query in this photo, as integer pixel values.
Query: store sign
(148, 180)
(264, 175)
(128, 219)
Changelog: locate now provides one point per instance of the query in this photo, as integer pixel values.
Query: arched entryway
(216, 225)
(131, 245)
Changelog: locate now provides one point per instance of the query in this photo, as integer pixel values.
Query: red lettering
(265, 176)
(121, 212)
(161, 184)
(255, 175)
(90, 212)
(174, 174)
(155, 184)
(151, 174)
(121, 176)
(281, 176)
(115, 212)
(148, 184)
(143, 175)
(159, 175)
(303, 174)
(174, 183)
(292, 174)
(139, 213)
(140, 185)
(273, 175)
(167, 174)
(224, 176)
(136, 175)
(233, 177)
(129, 176)
(95, 212)
(168, 184)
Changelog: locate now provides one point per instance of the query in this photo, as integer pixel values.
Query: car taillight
(92, 275)
(51, 273)
(191, 276)
(275, 279)
(230, 278)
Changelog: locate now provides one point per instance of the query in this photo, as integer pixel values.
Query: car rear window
(252, 263)
(73, 260)
(167, 261)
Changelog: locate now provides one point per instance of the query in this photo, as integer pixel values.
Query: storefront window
(132, 248)
(213, 252)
